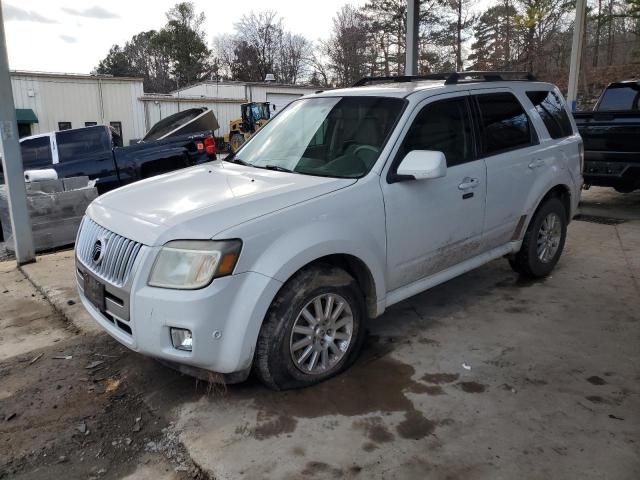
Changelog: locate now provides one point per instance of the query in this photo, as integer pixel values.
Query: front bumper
(224, 318)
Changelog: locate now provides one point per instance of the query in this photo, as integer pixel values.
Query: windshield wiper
(278, 168)
(239, 161)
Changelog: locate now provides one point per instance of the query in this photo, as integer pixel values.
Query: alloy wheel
(321, 334)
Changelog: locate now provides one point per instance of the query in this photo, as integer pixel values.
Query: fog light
(181, 339)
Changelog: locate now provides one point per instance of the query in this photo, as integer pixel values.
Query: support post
(12, 161)
(413, 17)
(576, 53)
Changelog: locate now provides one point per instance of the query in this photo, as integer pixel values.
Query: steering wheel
(366, 148)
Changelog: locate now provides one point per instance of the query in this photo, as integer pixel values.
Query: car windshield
(326, 136)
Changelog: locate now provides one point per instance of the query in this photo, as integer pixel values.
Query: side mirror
(423, 164)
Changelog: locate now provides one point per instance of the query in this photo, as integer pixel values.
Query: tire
(624, 188)
(278, 343)
(528, 261)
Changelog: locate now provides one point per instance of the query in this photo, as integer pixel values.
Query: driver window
(443, 126)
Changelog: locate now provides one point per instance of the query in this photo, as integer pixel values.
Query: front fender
(349, 222)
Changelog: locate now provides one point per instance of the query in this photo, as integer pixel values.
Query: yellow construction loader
(254, 116)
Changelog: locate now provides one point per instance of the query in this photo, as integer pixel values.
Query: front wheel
(543, 242)
(313, 331)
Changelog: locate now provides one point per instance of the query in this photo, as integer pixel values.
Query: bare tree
(346, 48)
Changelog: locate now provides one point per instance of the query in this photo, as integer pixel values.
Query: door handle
(537, 163)
(468, 183)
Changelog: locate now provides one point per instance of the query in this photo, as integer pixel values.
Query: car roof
(38, 135)
(428, 87)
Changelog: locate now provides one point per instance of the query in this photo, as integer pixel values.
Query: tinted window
(504, 124)
(36, 153)
(620, 97)
(553, 113)
(81, 142)
(444, 127)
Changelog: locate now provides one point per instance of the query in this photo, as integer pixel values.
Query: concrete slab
(606, 202)
(54, 276)
(25, 317)
(552, 389)
(551, 392)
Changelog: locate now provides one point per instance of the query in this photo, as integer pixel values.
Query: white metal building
(48, 102)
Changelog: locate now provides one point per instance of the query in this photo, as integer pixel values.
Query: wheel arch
(354, 266)
(561, 191)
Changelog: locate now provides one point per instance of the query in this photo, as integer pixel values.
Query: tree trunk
(610, 34)
(459, 39)
(507, 48)
(596, 46)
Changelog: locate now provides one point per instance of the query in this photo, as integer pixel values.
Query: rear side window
(504, 125)
(445, 127)
(81, 142)
(36, 153)
(620, 97)
(553, 113)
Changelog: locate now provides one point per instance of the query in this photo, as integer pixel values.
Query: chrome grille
(118, 253)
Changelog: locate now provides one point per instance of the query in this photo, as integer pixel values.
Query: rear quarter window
(504, 125)
(553, 113)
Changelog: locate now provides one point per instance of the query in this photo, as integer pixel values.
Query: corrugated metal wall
(258, 93)
(57, 99)
(214, 90)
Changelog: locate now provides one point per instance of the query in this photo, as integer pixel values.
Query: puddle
(471, 387)
(596, 380)
(376, 383)
(440, 377)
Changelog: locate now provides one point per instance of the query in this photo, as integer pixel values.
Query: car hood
(199, 202)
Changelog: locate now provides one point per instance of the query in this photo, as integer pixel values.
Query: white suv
(346, 202)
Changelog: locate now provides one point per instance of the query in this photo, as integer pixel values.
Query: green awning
(26, 115)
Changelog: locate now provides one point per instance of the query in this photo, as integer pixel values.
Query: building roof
(76, 76)
(161, 97)
(239, 83)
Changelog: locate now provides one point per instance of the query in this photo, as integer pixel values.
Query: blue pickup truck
(178, 141)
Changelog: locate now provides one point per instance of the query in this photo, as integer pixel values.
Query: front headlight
(193, 264)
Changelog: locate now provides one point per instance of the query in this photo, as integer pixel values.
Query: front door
(436, 223)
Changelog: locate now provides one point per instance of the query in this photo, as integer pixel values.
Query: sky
(72, 36)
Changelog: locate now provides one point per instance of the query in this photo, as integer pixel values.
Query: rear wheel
(543, 242)
(314, 329)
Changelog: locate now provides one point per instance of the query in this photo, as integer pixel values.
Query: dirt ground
(67, 406)
(486, 376)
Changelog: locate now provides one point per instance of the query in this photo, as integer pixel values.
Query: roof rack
(450, 78)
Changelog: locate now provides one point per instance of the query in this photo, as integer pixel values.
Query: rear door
(436, 223)
(509, 144)
(87, 151)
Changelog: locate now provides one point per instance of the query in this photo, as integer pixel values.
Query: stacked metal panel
(56, 208)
